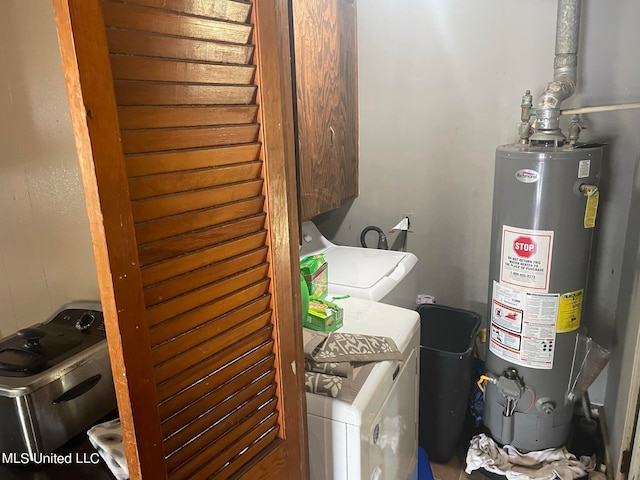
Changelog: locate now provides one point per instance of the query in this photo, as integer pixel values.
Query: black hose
(382, 238)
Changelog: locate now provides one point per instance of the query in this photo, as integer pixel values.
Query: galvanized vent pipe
(565, 67)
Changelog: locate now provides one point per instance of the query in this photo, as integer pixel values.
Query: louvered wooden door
(182, 116)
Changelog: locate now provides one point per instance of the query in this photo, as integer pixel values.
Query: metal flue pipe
(565, 67)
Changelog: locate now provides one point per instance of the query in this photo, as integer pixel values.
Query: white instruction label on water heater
(584, 168)
(523, 326)
(525, 259)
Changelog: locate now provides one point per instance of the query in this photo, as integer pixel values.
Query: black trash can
(447, 338)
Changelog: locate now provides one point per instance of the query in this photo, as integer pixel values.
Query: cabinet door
(325, 59)
(186, 151)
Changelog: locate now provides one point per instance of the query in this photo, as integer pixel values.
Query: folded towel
(335, 386)
(349, 347)
(337, 364)
(106, 438)
(549, 464)
(330, 385)
(339, 369)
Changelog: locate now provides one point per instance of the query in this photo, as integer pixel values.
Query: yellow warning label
(591, 209)
(482, 334)
(569, 311)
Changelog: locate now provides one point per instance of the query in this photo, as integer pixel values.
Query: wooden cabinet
(326, 85)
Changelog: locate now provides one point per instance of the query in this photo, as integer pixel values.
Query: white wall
(440, 86)
(440, 83)
(624, 368)
(45, 248)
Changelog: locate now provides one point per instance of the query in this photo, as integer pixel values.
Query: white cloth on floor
(107, 439)
(550, 464)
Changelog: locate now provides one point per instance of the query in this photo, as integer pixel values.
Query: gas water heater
(544, 209)
(544, 212)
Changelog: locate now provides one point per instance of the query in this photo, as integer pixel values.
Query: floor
(453, 470)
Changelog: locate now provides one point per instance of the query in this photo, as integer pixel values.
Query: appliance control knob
(85, 321)
(32, 336)
(377, 473)
(546, 405)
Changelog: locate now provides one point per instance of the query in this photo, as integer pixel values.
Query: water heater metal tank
(544, 209)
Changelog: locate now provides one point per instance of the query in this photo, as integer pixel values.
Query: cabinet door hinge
(625, 462)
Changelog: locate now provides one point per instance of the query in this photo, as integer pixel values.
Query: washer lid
(360, 267)
(366, 273)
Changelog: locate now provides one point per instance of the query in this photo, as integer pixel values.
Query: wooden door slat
(207, 349)
(130, 67)
(160, 272)
(168, 183)
(207, 367)
(153, 230)
(206, 463)
(158, 207)
(131, 42)
(153, 20)
(198, 437)
(203, 276)
(238, 440)
(155, 140)
(214, 421)
(239, 305)
(189, 301)
(182, 244)
(232, 468)
(233, 10)
(195, 436)
(184, 160)
(162, 93)
(181, 402)
(260, 372)
(147, 117)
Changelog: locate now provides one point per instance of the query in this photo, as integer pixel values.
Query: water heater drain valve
(511, 387)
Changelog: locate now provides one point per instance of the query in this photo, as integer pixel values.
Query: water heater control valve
(511, 387)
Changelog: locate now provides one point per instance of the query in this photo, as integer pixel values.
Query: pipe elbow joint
(556, 92)
(548, 112)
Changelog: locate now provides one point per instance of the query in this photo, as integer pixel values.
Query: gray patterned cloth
(340, 369)
(106, 438)
(337, 364)
(352, 347)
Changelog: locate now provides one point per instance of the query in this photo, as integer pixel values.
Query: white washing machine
(376, 435)
(380, 275)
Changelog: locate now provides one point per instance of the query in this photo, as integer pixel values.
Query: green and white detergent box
(323, 316)
(315, 270)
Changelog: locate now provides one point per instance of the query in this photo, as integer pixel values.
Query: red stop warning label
(525, 260)
(524, 246)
